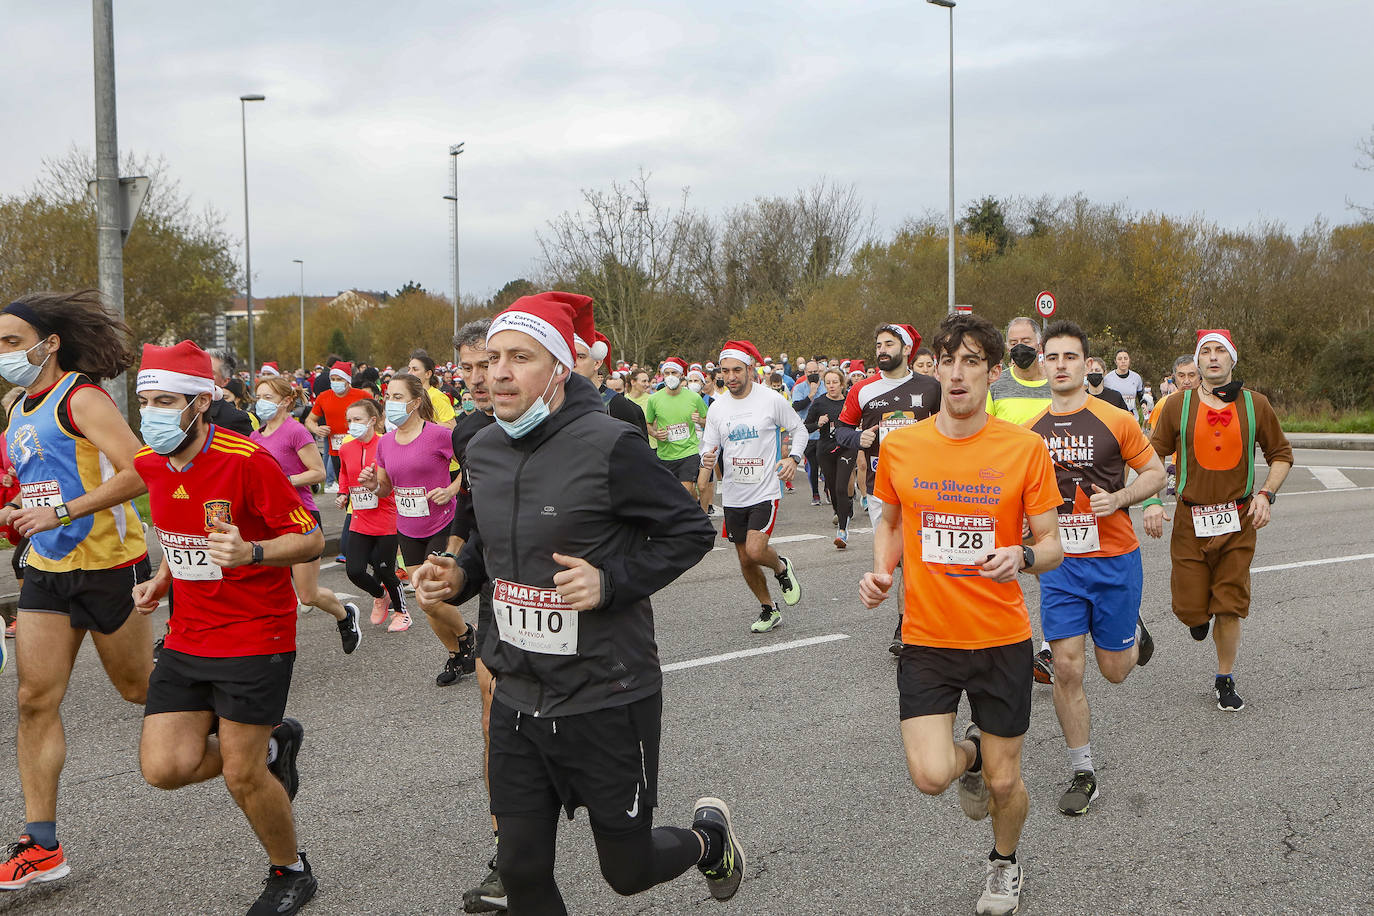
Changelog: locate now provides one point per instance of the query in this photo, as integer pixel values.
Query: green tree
(338, 343)
(986, 220)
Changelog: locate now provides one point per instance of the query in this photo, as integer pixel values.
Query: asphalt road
(1202, 812)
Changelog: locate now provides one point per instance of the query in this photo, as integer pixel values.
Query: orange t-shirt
(1093, 445)
(334, 410)
(987, 483)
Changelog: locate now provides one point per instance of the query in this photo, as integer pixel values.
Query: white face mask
(695, 386)
(671, 381)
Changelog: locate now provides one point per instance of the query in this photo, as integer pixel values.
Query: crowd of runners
(562, 490)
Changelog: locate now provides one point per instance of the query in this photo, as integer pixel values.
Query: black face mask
(1228, 392)
(1023, 355)
(813, 376)
(720, 383)
(1094, 378)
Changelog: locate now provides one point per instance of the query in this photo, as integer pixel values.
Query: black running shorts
(93, 599)
(684, 469)
(414, 550)
(605, 761)
(758, 517)
(997, 681)
(250, 689)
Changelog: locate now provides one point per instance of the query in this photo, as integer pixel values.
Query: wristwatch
(1269, 495)
(257, 554)
(1027, 557)
(63, 515)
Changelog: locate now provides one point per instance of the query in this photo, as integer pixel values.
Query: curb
(1359, 442)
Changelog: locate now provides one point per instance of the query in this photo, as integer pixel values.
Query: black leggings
(837, 466)
(379, 552)
(630, 863)
(811, 469)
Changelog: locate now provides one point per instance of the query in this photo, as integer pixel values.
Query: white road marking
(786, 539)
(1332, 478)
(1327, 561)
(762, 650)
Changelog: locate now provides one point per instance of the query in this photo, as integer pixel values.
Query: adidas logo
(181, 493)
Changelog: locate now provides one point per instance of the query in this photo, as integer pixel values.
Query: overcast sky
(1239, 111)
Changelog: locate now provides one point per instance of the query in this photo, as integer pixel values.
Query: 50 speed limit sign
(1045, 303)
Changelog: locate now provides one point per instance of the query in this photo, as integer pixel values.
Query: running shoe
(157, 648)
(1081, 793)
(401, 570)
(789, 486)
(9, 630)
(1145, 644)
(770, 618)
(341, 559)
(400, 622)
(489, 896)
(864, 502)
(453, 670)
(723, 877)
(1002, 894)
(467, 648)
(841, 539)
(895, 647)
(379, 608)
(1199, 632)
(349, 632)
(825, 494)
(815, 500)
(4, 656)
(973, 790)
(331, 487)
(711, 509)
(835, 520)
(285, 891)
(1227, 698)
(26, 863)
(791, 588)
(289, 734)
(1042, 666)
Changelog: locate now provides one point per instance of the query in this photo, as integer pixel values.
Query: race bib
(534, 619)
(40, 493)
(679, 432)
(411, 502)
(1210, 521)
(956, 540)
(189, 557)
(895, 420)
(1078, 533)
(363, 498)
(747, 470)
(335, 443)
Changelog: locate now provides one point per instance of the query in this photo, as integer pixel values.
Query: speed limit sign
(1045, 303)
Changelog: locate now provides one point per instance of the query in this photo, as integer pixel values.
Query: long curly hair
(94, 340)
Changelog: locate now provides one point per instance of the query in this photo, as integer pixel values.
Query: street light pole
(949, 5)
(454, 152)
(109, 236)
(247, 251)
(302, 263)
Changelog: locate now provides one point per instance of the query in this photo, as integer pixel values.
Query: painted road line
(787, 539)
(1326, 562)
(1332, 478)
(762, 650)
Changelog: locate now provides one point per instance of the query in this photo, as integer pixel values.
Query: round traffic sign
(1045, 303)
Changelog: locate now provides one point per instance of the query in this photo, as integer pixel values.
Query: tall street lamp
(454, 152)
(949, 5)
(247, 256)
(302, 263)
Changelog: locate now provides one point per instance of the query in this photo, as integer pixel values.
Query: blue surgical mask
(266, 410)
(397, 412)
(161, 429)
(339, 386)
(535, 414)
(16, 369)
(358, 430)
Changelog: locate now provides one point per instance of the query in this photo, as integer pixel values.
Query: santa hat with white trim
(1215, 335)
(741, 350)
(605, 343)
(674, 362)
(548, 318)
(183, 369)
(584, 324)
(909, 336)
(269, 370)
(696, 375)
(343, 370)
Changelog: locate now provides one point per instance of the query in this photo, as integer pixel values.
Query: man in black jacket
(221, 412)
(573, 563)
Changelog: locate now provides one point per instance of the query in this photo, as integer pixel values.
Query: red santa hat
(694, 366)
(342, 370)
(550, 319)
(696, 375)
(856, 367)
(1215, 335)
(269, 370)
(741, 350)
(908, 335)
(584, 325)
(674, 362)
(605, 343)
(183, 369)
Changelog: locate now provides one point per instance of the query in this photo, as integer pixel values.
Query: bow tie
(1215, 417)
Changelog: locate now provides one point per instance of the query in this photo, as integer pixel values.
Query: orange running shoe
(27, 862)
(379, 607)
(400, 622)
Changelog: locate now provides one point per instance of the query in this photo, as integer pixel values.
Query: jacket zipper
(514, 550)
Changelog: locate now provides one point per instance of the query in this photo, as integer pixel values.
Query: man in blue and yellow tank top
(73, 453)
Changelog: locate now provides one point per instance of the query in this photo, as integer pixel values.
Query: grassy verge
(141, 504)
(1328, 421)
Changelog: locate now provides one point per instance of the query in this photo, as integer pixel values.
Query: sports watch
(257, 554)
(63, 516)
(1269, 495)
(1028, 557)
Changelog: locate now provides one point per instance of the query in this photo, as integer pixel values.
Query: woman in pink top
(412, 466)
(294, 448)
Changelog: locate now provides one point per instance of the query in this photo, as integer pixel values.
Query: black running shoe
(722, 877)
(1145, 646)
(489, 896)
(453, 670)
(349, 631)
(289, 736)
(1080, 794)
(285, 891)
(1200, 631)
(1042, 666)
(467, 648)
(1227, 698)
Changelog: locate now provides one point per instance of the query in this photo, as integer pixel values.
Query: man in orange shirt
(956, 488)
(332, 407)
(1098, 587)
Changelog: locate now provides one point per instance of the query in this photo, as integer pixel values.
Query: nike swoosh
(633, 810)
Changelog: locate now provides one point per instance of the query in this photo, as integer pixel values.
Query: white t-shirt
(1131, 387)
(748, 432)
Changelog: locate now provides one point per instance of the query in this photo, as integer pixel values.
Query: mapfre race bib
(363, 498)
(189, 557)
(40, 493)
(335, 443)
(1078, 533)
(957, 540)
(411, 502)
(679, 432)
(747, 470)
(1210, 521)
(534, 619)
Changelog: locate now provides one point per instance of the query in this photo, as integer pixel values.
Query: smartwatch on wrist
(1269, 495)
(257, 554)
(65, 517)
(1027, 557)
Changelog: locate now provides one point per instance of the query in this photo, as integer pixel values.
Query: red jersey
(225, 613)
(372, 514)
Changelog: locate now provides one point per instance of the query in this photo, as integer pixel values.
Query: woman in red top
(372, 532)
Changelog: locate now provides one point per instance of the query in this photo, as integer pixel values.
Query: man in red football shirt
(231, 527)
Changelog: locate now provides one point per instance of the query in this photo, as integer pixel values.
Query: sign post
(1045, 304)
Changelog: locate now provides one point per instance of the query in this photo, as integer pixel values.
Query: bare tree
(1365, 164)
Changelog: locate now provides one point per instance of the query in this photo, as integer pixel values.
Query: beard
(889, 361)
